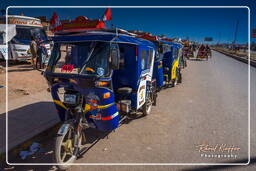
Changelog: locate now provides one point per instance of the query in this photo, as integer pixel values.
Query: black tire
(58, 148)
(180, 78)
(174, 82)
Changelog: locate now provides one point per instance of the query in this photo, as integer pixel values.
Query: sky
(192, 23)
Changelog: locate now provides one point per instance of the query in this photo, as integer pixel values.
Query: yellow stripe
(105, 106)
(60, 104)
(87, 106)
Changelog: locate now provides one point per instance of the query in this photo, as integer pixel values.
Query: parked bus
(26, 28)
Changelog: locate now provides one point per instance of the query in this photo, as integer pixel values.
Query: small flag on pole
(107, 15)
(55, 24)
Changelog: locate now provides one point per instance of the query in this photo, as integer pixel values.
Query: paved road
(209, 107)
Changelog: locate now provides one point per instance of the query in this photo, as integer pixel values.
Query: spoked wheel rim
(67, 147)
(148, 106)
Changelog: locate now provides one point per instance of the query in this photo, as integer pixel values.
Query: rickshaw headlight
(101, 83)
(70, 98)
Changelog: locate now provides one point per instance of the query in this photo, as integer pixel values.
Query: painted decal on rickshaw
(89, 107)
(110, 117)
(143, 63)
(100, 71)
(141, 94)
(97, 116)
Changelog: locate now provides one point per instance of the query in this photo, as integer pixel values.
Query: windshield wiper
(89, 56)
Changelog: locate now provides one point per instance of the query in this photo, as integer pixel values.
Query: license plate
(63, 129)
(70, 98)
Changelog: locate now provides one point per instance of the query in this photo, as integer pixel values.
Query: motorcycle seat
(124, 90)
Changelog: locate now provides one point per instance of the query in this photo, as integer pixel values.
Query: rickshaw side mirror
(114, 56)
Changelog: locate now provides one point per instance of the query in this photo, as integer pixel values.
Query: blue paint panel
(134, 100)
(98, 94)
(168, 59)
(107, 125)
(127, 75)
(100, 124)
(158, 74)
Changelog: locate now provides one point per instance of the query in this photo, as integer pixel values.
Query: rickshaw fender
(63, 129)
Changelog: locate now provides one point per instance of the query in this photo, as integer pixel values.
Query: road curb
(252, 63)
(44, 135)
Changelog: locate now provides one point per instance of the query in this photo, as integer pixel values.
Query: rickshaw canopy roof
(177, 45)
(102, 36)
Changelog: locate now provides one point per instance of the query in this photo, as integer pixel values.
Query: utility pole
(219, 38)
(235, 34)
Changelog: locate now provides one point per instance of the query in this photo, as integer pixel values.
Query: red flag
(55, 24)
(107, 15)
(253, 33)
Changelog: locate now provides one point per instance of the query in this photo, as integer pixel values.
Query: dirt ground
(23, 80)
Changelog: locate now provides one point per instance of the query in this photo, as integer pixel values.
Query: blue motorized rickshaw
(104, 75)
(158, 73)
(171, 64)
(167, 63)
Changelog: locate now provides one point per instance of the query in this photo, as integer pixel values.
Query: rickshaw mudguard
(61, 108)
(102, 113)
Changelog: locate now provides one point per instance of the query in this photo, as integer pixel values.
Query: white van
(26, 28)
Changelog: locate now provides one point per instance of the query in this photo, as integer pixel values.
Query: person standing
(39, 55)
(33, 49)
(42, 55)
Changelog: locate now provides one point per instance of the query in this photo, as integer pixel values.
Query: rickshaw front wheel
(64, 149)
(146, 108)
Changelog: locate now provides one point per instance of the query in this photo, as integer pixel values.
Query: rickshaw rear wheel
(175, 81)
(179, 78)
(64, 147)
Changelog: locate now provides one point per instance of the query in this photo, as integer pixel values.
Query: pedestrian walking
(42, 55)
(33, 50)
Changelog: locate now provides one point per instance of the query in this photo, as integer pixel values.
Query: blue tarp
(101, 36)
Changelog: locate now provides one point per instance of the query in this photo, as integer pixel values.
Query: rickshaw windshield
(85, 58)
(162, 49)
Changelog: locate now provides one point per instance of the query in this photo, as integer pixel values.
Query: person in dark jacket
(41, 55)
